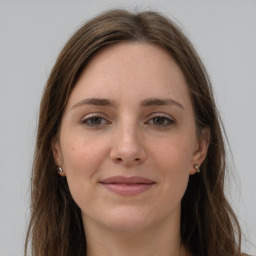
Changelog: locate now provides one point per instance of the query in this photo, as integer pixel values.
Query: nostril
(119, 159)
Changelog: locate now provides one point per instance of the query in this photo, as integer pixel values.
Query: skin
(132, 135)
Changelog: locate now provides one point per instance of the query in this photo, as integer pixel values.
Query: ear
(201, 148)
(57, 155)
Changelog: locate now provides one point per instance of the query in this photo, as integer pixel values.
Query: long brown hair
(209, 227)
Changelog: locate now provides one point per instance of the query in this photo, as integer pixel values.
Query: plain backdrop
(33, 32)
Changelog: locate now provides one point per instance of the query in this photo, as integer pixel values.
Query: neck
(161, 240)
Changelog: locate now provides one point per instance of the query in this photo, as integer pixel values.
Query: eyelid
(149, 118)
(93, 115)
(170, 119)
(160, 114)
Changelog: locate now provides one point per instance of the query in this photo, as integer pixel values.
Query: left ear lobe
(201, 149)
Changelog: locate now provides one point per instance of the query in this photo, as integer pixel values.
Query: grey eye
(94, 121)
(160, 121)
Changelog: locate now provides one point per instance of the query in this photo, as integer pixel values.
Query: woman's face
(127, 141)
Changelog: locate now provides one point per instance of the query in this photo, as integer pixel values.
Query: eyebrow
(144, 103)
(95, 102)
(160, 102)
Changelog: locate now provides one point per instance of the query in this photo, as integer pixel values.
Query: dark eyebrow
(94, 101)
(160, 102)
(144, 103)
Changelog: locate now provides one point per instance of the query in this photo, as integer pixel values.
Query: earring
(60, 169)
(196, 166)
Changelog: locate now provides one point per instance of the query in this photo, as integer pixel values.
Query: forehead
(130, 69)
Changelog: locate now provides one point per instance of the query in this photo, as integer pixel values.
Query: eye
(95, 121)
(160, 121)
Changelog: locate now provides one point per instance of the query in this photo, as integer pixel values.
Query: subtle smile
(127, 186)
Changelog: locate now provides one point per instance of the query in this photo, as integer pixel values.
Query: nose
(128, 148)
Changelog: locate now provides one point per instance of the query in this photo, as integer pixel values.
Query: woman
(130, 156)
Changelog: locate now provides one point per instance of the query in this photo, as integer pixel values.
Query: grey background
(32, 34)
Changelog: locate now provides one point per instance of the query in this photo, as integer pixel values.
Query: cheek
(79, 154)
(175, 171)
(176, 151)
(173, 161)
(81, 160)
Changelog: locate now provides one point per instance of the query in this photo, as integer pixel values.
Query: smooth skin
(130, 114)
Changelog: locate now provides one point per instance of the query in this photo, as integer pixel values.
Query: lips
(127, 185)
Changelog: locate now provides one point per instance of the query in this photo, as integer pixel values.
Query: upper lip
(126, 180)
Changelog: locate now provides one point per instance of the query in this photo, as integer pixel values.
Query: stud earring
(60, 169)
(196, 166)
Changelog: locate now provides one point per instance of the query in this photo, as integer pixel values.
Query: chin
(123, 219)
(128, 225)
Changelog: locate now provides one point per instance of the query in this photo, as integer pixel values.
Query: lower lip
(128, 189)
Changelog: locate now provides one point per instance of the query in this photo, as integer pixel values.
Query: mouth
(127, 186)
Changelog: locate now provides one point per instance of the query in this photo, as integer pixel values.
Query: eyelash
(87, 121)
(167, 121)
